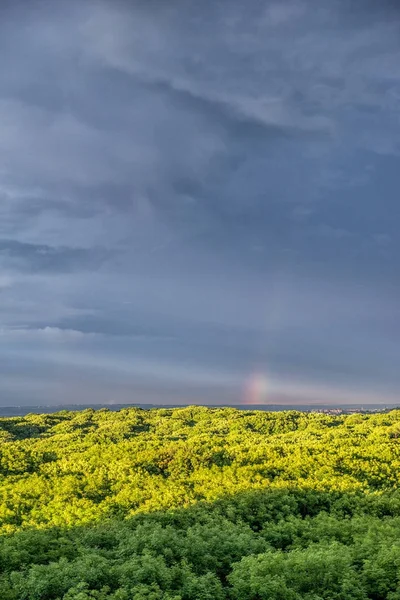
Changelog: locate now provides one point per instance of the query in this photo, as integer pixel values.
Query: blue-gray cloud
(194, 192)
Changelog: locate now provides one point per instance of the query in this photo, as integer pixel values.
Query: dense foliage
(200, 503)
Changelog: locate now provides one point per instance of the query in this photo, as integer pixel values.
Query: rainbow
(256, 389)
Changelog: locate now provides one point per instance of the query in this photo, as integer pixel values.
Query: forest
(200, 504)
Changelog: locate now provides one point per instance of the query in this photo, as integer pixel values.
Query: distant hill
(15, 411)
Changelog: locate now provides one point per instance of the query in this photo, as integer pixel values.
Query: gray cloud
(198, 189)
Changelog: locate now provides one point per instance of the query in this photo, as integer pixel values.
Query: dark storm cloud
(193, 192)
(43, 258)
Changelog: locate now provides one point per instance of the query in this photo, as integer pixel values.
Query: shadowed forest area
(200, 503)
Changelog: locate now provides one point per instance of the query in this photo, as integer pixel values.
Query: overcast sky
(199, 201)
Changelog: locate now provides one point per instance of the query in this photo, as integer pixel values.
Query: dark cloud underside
(195, 196)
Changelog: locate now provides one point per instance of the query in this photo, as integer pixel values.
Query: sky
(199, 201)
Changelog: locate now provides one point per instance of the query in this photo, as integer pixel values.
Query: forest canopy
(199, 503)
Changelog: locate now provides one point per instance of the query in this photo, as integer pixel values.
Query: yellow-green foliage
(200, 504)
(73, 468)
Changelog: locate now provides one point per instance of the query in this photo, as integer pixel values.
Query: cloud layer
(191, 193)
